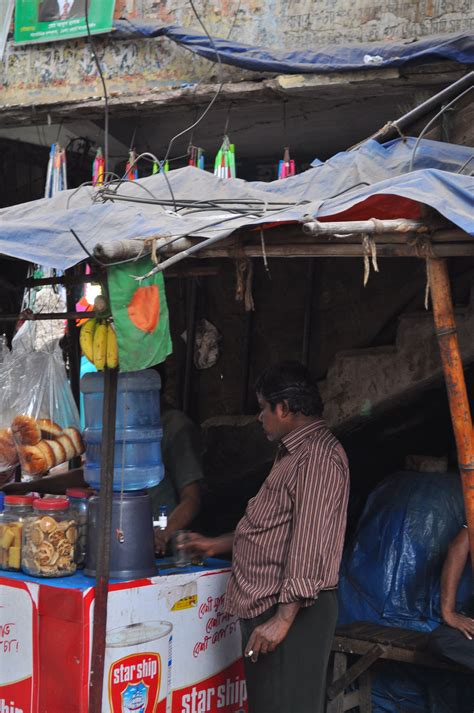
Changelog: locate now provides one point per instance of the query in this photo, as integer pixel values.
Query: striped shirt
(288, 545)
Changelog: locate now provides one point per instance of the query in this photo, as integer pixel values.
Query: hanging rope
(370, 255)
(244, 277)
(428, 286)
(264, 254)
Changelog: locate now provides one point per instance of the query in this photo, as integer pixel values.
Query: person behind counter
(454, 639)
(180, 489)
(287, 550)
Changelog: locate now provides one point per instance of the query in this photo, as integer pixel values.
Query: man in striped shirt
(287, 548)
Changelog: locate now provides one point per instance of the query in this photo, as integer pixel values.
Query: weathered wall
(61, 71)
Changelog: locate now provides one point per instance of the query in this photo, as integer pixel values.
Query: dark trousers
(292, 679)
(451, 644)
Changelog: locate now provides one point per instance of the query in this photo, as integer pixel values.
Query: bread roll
(49, 429)
(32, 460)
(76, 439)
(58, 450)
(8, 454)
(25, 430)
(68, 445)
(48, 453)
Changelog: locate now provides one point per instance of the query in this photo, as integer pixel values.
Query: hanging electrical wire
(104, 87)
(431, 122)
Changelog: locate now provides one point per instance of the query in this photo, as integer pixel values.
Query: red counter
(171, 648)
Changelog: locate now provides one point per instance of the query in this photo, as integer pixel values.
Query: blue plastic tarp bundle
(324, 59)
(391, 576)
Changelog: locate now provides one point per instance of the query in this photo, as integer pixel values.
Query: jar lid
(78, 492)
(19, 500)
(51, 504)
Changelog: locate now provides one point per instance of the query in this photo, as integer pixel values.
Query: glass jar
(16, 509)
(49, 539)
(78, 502)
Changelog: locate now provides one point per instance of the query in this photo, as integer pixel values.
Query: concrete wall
(62, 71)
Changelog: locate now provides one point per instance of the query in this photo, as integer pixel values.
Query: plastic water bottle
(162, 522)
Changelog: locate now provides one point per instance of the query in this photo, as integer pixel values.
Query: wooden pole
(103, 545)
(455, 383)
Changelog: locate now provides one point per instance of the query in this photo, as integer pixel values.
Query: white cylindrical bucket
(137, 671)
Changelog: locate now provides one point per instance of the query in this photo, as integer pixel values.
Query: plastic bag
(8, 380)
(45, 423)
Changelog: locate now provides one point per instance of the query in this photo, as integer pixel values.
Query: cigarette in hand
(249, 653)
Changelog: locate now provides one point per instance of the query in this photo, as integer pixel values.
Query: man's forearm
(221, 545)
(183, 514)
(452, 572)
(288, 612)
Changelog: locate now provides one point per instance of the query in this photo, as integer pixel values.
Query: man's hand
(200, 546)
(461, 623)
(265, 638)
(161, 540)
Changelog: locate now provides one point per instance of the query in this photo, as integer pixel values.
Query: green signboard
(50, 20)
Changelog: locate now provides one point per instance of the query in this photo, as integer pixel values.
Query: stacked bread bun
(41, 444)
(8, 454)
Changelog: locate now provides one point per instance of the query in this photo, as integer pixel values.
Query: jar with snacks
(17, 509)
(78, 503)
(49, 539)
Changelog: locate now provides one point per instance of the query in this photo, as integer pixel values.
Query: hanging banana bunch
(98, 339)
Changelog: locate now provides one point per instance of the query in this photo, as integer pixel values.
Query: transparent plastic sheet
(45, 422)
(8, 453)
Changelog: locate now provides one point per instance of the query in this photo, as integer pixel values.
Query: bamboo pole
(103, 545)
(455, 383)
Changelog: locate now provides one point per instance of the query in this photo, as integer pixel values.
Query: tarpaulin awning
(370, 182)
(327, 58)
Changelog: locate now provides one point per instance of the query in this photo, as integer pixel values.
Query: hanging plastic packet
(45, 420)
(98, 169)
(131, 167)
(196, 157)
(286, 167)
(224, 164)
(56, 175)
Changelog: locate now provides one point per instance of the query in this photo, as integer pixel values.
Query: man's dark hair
(290, 381)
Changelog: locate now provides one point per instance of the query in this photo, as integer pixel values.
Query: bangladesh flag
(140, 315)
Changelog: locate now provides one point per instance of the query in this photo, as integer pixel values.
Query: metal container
(134, 557)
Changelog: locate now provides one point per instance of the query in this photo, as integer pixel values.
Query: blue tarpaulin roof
(328, 58)
(372, 181)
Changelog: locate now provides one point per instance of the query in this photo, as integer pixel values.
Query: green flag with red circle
(140, 314)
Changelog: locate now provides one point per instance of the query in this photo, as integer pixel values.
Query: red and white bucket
(137, 672)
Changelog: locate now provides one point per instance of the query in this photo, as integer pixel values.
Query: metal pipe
(308, 312)
(40, 316)
(455, 383)
(190, 339)
(244, 396)
(392, 128)
(347, 227)
(103, 546)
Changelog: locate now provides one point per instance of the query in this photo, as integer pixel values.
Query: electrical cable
(104, 87)
(431, 122)
(218, 91)
(466, 163)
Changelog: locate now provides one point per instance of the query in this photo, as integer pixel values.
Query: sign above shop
(51, 20)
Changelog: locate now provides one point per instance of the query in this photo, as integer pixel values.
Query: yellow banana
(86, 338)
(100, 345)
(112, 348)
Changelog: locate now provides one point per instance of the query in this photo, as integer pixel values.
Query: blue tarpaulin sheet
(329, 58)
(370, 182)
(391, 576)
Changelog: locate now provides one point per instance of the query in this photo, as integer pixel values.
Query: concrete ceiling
(315, 116)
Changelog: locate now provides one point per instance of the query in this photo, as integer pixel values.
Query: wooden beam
(464, 249)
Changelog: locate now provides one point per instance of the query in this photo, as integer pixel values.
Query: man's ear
(284, 409)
